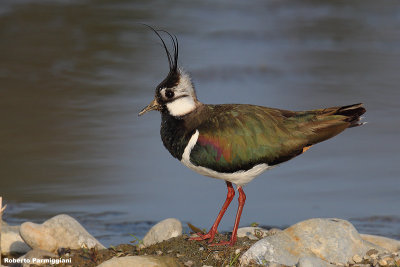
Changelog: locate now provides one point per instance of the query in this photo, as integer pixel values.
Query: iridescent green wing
(238, 137)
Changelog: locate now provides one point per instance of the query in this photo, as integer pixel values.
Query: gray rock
(163, 230)
(274, 264)
(141, 261)
(392, 245)
(333, 240)
(253, 233)
(11, 241)
(313, 262)
(278, 248)
(61, 231)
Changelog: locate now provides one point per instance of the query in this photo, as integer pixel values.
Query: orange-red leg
(242, 200)
(211, 234)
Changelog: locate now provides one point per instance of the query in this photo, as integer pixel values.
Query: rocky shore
(62, 241)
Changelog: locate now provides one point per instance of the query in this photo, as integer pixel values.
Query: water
(74, 75)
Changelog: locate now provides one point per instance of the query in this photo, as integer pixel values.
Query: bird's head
(175, 95)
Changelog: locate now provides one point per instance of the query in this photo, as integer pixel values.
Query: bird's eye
(169, 94)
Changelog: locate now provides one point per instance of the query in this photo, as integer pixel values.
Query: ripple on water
(388, 226)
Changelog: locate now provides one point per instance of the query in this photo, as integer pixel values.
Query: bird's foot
(210, 235)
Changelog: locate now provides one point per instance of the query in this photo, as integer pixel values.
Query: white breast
(239, 178)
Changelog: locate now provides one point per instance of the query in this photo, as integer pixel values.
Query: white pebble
(357, 258)
(189, 263)
(382, 262)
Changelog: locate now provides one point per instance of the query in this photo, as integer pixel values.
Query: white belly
(239, 178)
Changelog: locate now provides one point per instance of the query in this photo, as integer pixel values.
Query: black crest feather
(172, 60)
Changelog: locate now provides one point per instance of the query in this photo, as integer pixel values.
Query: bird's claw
(201, 237)
(210, 236)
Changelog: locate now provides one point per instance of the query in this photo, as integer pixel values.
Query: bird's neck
(173, 134)
(182, 106)
(176, 131)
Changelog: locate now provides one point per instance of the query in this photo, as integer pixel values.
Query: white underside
(239, 178)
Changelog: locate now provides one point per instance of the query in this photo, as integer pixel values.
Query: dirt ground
(187, 252)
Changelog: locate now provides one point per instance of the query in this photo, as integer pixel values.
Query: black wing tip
(353, 114)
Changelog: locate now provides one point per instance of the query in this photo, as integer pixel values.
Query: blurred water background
(74, 75)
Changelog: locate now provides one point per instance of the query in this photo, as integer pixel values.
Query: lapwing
(236, 142)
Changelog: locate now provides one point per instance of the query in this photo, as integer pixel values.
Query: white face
(183, 100)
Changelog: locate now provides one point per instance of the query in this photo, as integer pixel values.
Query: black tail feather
(353, 113)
